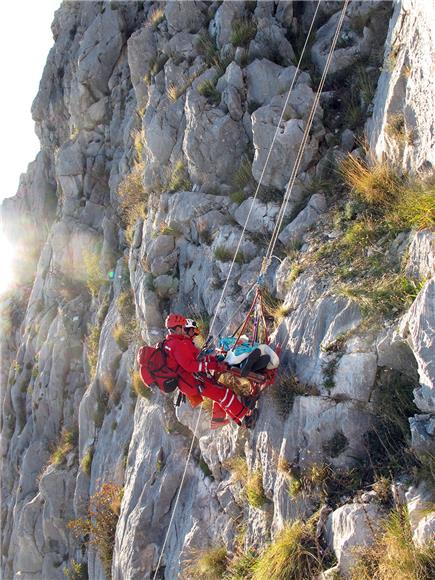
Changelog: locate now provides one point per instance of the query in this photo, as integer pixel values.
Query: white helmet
(190, 323)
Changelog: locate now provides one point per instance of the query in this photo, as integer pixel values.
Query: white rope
(277, 225)
(263, 172)
(281, 214)
(178, 494)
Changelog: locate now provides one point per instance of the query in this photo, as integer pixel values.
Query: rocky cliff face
(155, 120)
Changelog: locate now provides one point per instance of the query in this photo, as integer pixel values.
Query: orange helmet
(174, 320)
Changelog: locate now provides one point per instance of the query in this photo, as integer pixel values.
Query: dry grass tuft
(376, 185)
(95, 277)
(138, 387)
(133, 199)
(238, 467)
(155, 18)
(394, 554)
(243, 32)
(208, 564)
(68, 442)
(92, 342)
(254, 489)
(292, 554)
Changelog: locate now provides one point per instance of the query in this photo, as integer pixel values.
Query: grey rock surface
(350, 526)
(122, 101)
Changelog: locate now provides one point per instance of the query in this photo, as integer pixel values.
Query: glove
(210, 364)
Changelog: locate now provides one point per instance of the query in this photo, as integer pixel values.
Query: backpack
(153, 368)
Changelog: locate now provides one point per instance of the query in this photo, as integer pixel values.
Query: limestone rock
(418, 328)
(261, 218)
(213, 142)
(422, 520)
(265, 79)
(183, 17)
(307, 217)
(348, 527)
(421, 255)
(355, 376)
(285, 149)
(411, 97)
(222, 26)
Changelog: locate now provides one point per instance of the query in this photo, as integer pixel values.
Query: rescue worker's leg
(226, 398)
(218, 416)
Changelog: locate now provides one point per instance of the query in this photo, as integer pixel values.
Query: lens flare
(7, 262)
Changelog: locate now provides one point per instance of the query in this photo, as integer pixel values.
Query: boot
(246, 366)
(250, 420)
(249, 401)
(261, 363)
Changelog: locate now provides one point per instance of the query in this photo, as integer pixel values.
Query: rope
(281, 213)
(263, 172)
(178, 494)
(275, 233)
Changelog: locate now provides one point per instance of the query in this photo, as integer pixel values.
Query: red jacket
(182, 354)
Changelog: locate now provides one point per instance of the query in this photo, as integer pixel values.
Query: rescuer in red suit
(182, 358)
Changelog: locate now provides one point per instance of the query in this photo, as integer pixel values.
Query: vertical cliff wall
(155, 119)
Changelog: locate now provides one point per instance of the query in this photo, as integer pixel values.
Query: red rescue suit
(182, 358)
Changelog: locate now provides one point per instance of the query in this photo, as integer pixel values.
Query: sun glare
(7, 259)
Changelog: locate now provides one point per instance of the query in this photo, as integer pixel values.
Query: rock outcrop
(155, 121)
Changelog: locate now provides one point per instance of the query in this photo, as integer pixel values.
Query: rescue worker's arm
(186, 358)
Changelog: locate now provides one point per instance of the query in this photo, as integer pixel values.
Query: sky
(25, 40)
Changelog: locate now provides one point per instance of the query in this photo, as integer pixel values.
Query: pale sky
(25, 40)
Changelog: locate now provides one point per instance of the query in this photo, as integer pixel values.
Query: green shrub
(243, 32)
(389, 296)
(99, 525)
(294, 486)
(293, 554)
(254, 489)
(77, 571)
(86, 463)
(208, 89)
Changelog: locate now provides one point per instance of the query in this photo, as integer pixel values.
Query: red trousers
(225, 400)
